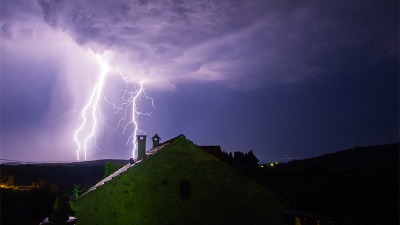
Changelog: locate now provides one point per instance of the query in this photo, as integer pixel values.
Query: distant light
(276, 163)
(262, 166)
(272, 165)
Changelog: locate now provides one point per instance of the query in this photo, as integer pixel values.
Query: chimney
(141, 146)
(156, 140)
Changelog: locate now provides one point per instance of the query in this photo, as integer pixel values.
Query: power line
(2, 161)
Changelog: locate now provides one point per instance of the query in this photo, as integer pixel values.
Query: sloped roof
(128, 166)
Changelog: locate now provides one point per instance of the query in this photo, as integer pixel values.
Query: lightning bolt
(91, 113)
(133, 98)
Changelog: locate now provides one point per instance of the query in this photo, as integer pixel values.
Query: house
(177, 182)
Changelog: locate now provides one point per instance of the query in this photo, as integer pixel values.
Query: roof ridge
(165, 144)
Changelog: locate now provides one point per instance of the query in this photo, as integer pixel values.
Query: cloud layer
(48, 55)
(242, 43)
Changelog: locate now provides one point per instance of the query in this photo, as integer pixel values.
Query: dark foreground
(356, 186)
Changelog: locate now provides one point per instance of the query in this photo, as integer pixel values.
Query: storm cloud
(272, 48)
(241, 43)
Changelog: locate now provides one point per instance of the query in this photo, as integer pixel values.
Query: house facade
(177, 182)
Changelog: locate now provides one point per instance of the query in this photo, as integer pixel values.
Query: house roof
(130, 165)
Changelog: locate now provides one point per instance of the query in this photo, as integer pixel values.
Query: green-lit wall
(150, 193)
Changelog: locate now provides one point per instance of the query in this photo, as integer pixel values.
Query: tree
(235, 160)
(228, 159)
(250, 159)
(245, 159)
(238, 157)
(107, 169)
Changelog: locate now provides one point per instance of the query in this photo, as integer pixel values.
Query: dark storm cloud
(238, 42)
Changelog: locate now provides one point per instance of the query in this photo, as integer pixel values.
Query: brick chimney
(141, 139)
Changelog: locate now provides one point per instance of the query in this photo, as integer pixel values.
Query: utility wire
(31, 162)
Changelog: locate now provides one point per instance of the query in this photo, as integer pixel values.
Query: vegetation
(28, 191)
(236, 160)
(27, 206)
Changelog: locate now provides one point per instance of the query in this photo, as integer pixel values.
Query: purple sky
(286, 79)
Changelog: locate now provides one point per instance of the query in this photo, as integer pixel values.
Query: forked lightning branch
(92, 117)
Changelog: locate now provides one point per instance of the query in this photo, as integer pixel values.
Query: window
(185, 189)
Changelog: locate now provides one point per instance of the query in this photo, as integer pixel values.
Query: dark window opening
(185, 189)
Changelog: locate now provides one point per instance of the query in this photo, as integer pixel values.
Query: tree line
(237, 159)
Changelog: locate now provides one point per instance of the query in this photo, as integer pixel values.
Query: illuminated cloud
(244, 43)
(239, 43)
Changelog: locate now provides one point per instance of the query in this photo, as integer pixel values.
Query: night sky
(286, 79)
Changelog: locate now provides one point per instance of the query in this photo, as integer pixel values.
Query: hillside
(379, 157)
(41, 184)
(354, 186)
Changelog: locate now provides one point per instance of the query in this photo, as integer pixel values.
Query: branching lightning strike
(131, 102)
(91, 112)
(92, 108)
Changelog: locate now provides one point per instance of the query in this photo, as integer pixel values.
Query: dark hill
(380, 157)
(354, 186)
(63, 175)
(102, 162)
(49, 179)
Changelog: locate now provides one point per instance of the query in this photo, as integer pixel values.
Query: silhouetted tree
(228, 159)
(245, 159)
(236, 160)
(61, 209)
(107, 169)
(250, 160)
